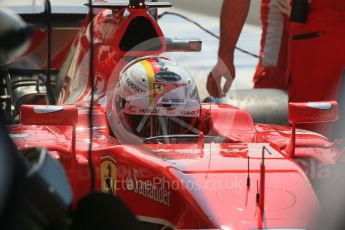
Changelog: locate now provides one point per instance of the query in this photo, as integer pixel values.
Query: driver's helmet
(154, 97)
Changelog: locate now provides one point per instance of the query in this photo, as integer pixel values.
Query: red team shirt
(308, 58)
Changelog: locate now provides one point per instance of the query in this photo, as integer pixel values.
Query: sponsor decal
(167, 76)
(150, 111)
(194, 113)
(172, 101)
(175, 90)
(108, 177)
(133, 86)
(152, 188)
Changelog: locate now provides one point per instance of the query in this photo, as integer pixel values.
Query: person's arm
(233, 16)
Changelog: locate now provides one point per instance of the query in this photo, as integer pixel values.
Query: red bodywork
(196, 184)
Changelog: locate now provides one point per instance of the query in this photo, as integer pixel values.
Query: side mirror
(51, 115)
(48, 115)
(312, 112)
(309, 112)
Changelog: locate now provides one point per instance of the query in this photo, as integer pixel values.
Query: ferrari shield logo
(159, 88)
(162, 90)
(108, 177)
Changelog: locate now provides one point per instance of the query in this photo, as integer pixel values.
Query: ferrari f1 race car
(127, 121)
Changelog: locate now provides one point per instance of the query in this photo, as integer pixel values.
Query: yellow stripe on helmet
(150, 77)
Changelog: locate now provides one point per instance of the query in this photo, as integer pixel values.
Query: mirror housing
(53, 115)
(309, 112)
(313, 112)
(49, 115)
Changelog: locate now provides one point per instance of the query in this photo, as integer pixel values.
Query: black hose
(90, 115)
(50, 93)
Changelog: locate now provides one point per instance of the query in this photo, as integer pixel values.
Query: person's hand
(214, 79)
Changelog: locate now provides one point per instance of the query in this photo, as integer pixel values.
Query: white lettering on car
(153, 188)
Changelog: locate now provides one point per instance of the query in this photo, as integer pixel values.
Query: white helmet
(153, 97)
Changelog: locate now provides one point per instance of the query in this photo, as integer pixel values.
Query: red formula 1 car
(176, 162)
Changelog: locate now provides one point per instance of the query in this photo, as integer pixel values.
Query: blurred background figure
(317, 57)
(271, 68)
(293, 52)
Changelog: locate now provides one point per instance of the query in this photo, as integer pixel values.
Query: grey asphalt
(212, 8)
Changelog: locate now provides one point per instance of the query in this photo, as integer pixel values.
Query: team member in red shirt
(316, 54)
(317, 59)
(271, 68)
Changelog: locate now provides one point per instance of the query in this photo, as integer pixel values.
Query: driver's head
(154, 97)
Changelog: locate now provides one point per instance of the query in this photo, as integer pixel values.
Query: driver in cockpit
(153, 97)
